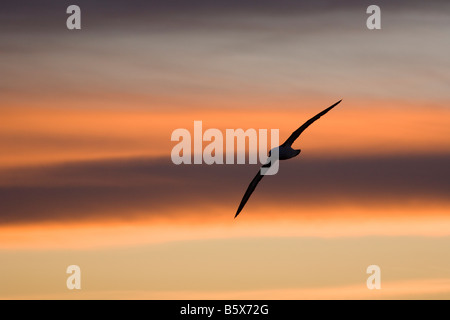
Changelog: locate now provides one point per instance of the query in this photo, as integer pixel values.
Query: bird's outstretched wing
(251, 188)
(297, 132)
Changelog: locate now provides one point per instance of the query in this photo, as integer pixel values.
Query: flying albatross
(285, 151)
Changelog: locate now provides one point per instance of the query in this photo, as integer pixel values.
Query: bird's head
(270, 151)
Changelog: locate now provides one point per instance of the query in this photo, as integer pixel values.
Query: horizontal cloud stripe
(121, 189)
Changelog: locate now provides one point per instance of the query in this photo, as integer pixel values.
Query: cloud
(217, 49)
(134, 188)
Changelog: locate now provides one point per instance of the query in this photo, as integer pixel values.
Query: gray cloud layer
(208, 50)
(121, 189)
(50, 15)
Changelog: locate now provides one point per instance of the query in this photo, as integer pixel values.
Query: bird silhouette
(285, 151)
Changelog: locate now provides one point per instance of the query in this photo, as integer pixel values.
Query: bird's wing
(251, 188)
(297, 132)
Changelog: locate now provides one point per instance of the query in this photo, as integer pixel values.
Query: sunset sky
(86, 177)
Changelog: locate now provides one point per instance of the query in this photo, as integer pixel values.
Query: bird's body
(285, 151)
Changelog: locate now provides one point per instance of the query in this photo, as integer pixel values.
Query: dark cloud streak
(50, 14)
(127, 189)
